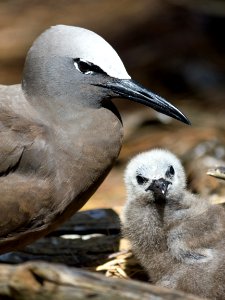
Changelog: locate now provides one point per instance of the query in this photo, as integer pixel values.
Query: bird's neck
(55, 110)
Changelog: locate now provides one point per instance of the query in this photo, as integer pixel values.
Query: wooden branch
(104, 221)
(74, 252)
(86, 239)
(43, 281)
(218, 172)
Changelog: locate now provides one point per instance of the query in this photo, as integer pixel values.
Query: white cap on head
(81, 43)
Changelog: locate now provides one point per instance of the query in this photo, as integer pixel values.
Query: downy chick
(178, 237)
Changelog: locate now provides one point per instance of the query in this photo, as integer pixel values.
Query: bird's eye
(141, 180)
(82, 66)
(87, 67)
(170, 171)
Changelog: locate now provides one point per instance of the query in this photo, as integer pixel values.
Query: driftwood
(104, 221)
(73, 252)
(218, 172)
(86, 239)
(40, 280)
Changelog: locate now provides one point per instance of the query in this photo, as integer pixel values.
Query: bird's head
(75, 66)
(155, 176)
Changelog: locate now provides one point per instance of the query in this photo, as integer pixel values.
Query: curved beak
(128, 88)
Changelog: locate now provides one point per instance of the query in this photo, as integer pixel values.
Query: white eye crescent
(87, 67)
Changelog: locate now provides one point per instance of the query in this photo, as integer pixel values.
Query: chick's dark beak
(127, 88)
(159, 187)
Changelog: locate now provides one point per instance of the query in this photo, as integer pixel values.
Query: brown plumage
(40, 177)
(178, 237)
(60, 133)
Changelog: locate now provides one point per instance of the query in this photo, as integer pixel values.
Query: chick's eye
(86, 67)
(141, 180)
(170, 171)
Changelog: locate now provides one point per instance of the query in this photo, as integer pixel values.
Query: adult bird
(60, 133)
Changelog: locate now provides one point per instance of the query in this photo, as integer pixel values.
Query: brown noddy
(178, 237)
(60, 133)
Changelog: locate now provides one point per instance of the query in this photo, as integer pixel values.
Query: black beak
(159, 187)
(127, 88)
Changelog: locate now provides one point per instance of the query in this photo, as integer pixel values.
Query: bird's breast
(86, 152)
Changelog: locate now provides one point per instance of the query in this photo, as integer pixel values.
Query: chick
(178, 237)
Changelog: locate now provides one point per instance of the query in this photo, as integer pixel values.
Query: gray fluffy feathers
(180, 240)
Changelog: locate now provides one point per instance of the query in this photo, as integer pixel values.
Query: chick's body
(178, 238)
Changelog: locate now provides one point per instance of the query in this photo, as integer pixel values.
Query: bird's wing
(24, 194)
(195, 237)
(12, 146)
